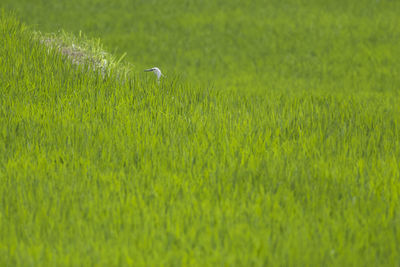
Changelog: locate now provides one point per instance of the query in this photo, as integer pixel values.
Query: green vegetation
(276, 143)
(340, 45)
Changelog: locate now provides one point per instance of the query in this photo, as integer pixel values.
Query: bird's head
(156, 71)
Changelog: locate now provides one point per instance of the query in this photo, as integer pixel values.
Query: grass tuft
(85, 52)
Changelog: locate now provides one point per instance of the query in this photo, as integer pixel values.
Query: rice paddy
(273, 140)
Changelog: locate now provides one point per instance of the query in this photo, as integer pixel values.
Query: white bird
(156, 71)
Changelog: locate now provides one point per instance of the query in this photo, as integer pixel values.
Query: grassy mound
(117, 170)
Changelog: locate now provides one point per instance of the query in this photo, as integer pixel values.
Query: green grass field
(273, 140)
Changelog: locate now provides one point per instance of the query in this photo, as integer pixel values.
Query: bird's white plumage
(156, 71)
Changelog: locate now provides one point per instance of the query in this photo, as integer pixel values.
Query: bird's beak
(148, 70)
